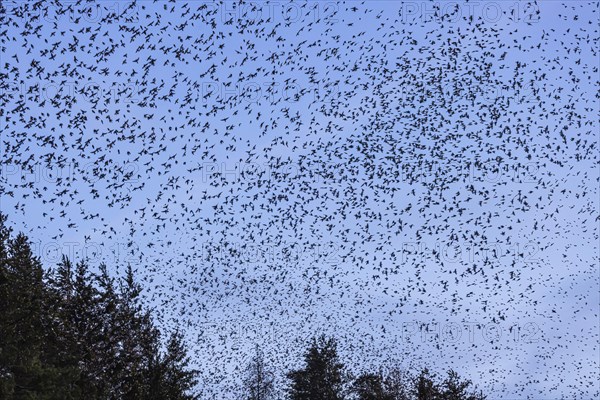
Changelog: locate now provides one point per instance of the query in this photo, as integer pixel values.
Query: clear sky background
(419, 179)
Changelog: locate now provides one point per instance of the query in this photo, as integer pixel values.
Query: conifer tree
(323, 376)
(138, 340)
(425, 386)
(398, 384)
(371, 387)
(176, 378)
(455, 388)
(258, 382)
(108, 345)
(72, 334)
(6, 378)
(25, 374)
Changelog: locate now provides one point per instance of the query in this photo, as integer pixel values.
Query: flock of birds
(279, 169)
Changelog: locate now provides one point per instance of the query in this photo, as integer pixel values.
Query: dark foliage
(323, 376)
(73, 334)
(69, 333)
(259, 379)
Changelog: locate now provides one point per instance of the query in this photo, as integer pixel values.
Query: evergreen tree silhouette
(323, 376)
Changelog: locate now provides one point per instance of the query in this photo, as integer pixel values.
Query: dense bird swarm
(377, 171)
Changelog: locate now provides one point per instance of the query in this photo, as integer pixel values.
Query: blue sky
(307, 167)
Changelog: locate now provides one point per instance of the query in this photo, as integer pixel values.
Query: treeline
(324, 377)
(68, 333)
